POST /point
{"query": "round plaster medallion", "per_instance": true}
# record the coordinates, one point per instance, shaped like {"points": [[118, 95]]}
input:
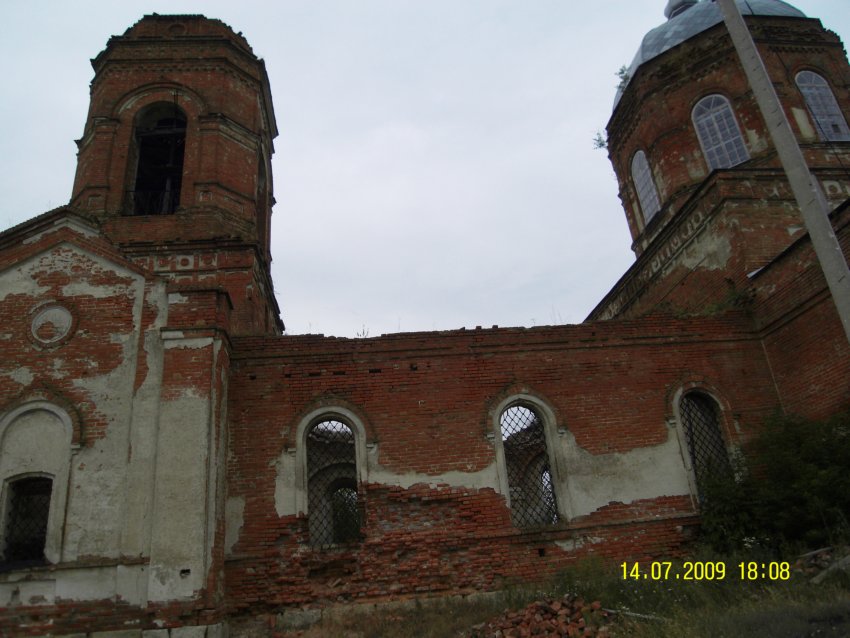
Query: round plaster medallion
{"points": [[51, 325]]}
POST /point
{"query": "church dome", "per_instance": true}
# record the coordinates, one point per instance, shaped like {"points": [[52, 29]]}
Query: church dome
{"points": [[687, 18]]}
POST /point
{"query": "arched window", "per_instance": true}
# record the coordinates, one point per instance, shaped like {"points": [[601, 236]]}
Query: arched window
{"points": [[25, 529], [530, 485], [160, 140], [718, 132], [700, 416], [830, 122], [35, 458], [333, 504], [645, 186]]}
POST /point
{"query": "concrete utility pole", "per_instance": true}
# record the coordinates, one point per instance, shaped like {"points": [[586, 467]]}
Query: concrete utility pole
{"points": [[810, 197]]}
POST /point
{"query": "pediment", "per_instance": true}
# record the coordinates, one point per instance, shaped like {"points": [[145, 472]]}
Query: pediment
{"points": [[62, 241]]}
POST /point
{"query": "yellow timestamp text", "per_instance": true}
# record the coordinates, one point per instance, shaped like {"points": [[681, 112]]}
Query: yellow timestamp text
{"points": [[706, 570]]}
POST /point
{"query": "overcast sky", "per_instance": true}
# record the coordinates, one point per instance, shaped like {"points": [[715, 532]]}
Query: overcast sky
{"points": [[435, 166]]}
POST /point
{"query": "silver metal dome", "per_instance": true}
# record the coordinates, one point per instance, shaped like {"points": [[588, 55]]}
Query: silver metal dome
{"points": [[688, 19]]}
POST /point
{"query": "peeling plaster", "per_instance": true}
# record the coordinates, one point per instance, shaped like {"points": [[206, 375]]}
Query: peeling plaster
{"points": [[708, 252], [19, 282], [234, 513], [124, 582], [578, 542], [172, 341], [592, 481], [79, 288], [801, 117], [756, 143], [23, 376], [71, 223], [643, 473], [488, 477]]}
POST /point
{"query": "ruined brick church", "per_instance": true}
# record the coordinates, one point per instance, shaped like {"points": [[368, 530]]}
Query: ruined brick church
{"points": [[172, 464]]}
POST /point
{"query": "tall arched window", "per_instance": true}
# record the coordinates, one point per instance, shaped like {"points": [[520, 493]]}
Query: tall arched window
{"points": [[35, 457], [829, 120], [160, 140], [700, 416], [333, 504], [718, 132], [532, 493], [645, 186]]}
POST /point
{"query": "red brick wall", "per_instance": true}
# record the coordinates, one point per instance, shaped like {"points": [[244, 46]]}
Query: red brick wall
{"points": [[425, 399], [805, 343]]}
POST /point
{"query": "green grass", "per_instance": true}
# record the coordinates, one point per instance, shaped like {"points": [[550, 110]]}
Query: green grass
{"points": [[693, 609], [716, 609]]}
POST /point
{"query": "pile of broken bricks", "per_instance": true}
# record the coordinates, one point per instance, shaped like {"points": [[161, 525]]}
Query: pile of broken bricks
{"points": [[570, 617]]}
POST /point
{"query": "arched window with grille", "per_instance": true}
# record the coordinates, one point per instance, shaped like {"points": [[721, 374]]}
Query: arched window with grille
{"points": [[718, 132], [645, 186], [701, 425], [823, 107], [333, 502], [531, 488], [159, 142]]}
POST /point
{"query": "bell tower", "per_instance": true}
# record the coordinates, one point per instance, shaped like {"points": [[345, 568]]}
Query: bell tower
{"points": [[175, 159]]}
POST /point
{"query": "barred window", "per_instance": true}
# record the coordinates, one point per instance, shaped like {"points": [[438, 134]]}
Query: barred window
{"points": [[333, 502], [701, 423], [829, 120], [645, 186], [28, 506], [532, 493], [718, 132]]}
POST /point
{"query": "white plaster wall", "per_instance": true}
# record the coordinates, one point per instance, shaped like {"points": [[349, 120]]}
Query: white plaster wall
{"points": [[36, 440], [129, 583], [110, 480], [185, 484], [594, 481]]}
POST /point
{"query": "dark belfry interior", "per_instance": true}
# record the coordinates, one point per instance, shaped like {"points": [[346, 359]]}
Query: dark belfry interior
{"points": [[160, 138]]}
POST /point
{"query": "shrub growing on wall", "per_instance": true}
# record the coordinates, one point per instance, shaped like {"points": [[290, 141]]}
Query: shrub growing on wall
{"points": [[794, 489]]}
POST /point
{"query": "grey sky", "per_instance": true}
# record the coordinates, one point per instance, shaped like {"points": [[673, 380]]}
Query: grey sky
{"points": [[435, 166]]}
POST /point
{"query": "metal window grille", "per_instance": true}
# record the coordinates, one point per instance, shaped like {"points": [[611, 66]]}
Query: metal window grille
{"points": [[701, 422], [529, 477], [332, 484], [26, 522], [718, 132]]}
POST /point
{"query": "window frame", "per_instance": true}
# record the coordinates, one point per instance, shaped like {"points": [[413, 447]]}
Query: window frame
{"points": [[826, 98], [717, 154], [645, 187], [307, 423], [681, 432], [6, 516], [551, 436], [35, 463]]}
